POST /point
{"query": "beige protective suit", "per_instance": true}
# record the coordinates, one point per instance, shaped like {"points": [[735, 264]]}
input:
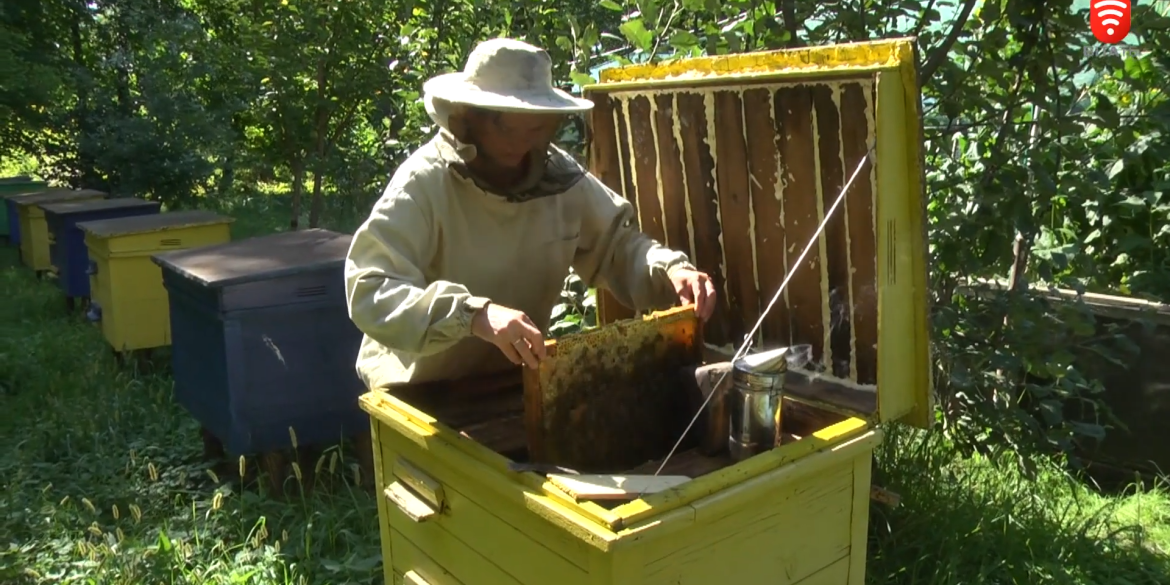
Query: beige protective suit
{"points": [[439, 243]]}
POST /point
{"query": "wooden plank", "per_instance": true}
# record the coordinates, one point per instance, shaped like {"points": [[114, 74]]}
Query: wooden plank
{"points": [[605, 162], [857, 126], [690, 463], [614, 487], [496, 513], [767, 193], [834, 574], [601, 135], [835, 244], [467, 402], [449, 562], [758, 534], [625, 156], [381, 479], [793, 107], [644, 166], [674, 208], [735, 216], [845, 434], [699, 169], [859, 521]]}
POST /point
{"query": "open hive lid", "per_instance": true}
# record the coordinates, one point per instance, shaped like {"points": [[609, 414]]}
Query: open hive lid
{"points": [[97, 205], [735, 160], [142, 224], [259, 258], [60, 196]]}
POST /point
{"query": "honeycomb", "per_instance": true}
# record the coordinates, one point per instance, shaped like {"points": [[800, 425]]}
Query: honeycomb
{"points": [[609, 399]]}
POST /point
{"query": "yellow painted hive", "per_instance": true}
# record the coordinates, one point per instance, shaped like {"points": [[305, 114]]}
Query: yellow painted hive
{"points": [[34, 231], [128, 299], [735, 160]]}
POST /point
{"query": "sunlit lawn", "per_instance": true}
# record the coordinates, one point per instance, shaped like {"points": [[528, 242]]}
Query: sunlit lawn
{"points": [[102, 481]]}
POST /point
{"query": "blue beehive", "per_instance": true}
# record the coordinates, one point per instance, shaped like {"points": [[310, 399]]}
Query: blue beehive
{"points": [[13, 219], [262, 340], [67, 248]]}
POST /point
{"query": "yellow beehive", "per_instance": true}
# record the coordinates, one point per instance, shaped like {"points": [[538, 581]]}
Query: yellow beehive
{"points": [[34, 232], [127, 295], [735, 160]]}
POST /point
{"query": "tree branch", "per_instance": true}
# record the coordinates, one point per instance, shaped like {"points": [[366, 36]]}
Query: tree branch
{"points": [[665, 30], [940, 52], [922, 20], [788, 9]]}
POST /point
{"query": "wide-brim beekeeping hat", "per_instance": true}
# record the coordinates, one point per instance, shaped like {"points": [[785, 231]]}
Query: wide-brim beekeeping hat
{"points": [[506, 75]]}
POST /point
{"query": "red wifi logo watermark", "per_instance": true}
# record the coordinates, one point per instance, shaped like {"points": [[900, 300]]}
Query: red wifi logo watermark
{"points": [[1110, 20]]}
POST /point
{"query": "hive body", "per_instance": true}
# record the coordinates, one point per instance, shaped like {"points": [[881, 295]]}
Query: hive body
{"points": [[9, 218], [67, 250], [263, 340], [734, 160], [34, 232], [796, 515], [128, 299]]}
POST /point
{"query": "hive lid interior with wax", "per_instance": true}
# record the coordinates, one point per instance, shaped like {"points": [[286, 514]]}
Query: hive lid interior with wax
{"points": [[736, 160], [58, 195], [258, 258], [124, 226], [97, 205]]}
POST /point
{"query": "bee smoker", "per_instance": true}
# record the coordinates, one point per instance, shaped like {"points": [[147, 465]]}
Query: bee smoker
{"points": [[755, 405], [745, 401], [755, 402]]}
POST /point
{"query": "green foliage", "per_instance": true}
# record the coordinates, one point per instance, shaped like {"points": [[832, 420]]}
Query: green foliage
{"points": [[1034, 132], [1053, 139], [102, 478], [980, 520], [577, 310]]}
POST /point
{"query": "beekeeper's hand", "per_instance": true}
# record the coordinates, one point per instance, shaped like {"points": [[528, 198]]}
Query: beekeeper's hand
{"points": [[694, 287], [511, 331]]}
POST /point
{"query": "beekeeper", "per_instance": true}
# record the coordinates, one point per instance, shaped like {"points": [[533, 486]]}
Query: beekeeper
{"points": [[461, 261]]}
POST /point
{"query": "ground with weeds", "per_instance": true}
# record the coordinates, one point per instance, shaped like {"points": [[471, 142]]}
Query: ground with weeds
{"points": [[102, 481]]}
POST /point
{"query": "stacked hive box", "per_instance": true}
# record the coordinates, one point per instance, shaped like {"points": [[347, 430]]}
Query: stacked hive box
{"points": [[263, 341], [67, 250], [9, 220], [126, 289], [34, 232], [734, 160]]}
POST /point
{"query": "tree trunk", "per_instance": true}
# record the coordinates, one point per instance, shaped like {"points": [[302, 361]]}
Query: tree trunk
{"points": [[298, 188], [318, 203], [87, 175]]}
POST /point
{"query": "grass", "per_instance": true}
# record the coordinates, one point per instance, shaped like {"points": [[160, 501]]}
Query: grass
{"points": [[103, 482], [973, 520]]}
